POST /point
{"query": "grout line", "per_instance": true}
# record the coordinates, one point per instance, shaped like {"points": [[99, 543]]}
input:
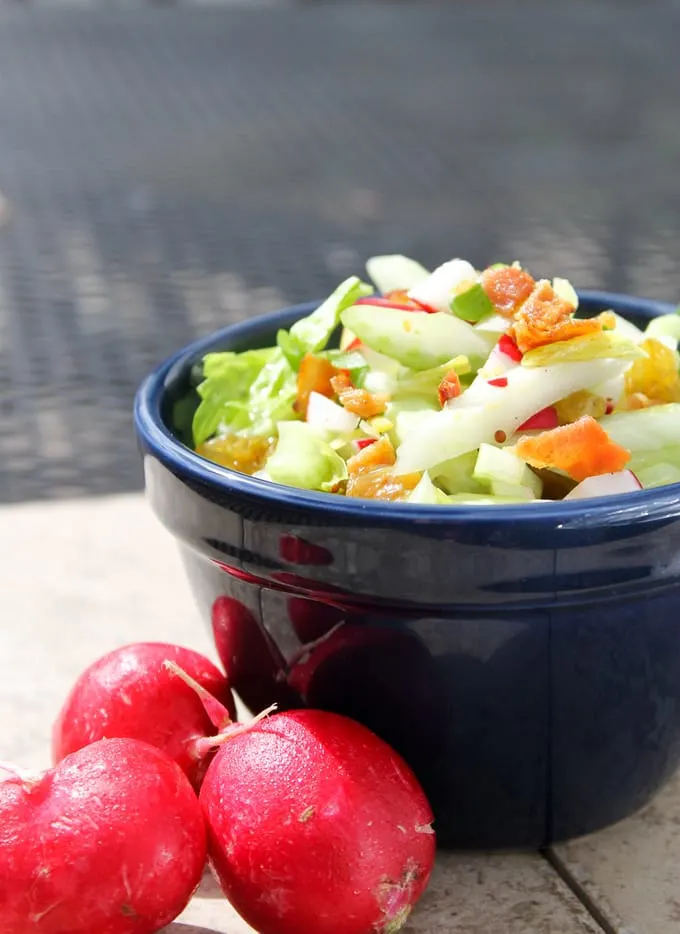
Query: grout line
{"points": [[578, 890]]}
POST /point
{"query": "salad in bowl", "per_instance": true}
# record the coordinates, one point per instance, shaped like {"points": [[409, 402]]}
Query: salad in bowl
{"points": [[457, 386]]}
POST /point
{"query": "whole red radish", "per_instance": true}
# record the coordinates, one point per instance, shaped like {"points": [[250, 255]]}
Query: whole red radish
{"points": [[316, 826], [111, 840], [129, 692]]}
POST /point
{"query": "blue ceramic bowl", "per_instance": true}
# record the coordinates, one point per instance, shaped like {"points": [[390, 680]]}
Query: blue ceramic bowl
{"points": [[524, 659]]}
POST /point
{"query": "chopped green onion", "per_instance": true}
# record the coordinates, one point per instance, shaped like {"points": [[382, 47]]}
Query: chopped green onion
{"points": [[473, 304]]}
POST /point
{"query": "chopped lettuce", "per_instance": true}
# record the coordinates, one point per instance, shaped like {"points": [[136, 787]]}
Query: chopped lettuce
{"points": [[645, 429], [244, 393], [640, 460], [659, 474], [600, 345], [311, 334], [304, 458]]}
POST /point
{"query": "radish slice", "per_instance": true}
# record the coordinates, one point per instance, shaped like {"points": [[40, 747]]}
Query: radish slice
{"points": [[606, 484], [326, 415]]}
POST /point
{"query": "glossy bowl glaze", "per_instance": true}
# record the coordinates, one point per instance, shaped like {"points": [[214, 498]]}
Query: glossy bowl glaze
{"points": [[524, 659]]}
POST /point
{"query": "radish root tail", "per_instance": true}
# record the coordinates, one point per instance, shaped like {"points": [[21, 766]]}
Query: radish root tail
{"points": [[205, 745], [218, 713]]}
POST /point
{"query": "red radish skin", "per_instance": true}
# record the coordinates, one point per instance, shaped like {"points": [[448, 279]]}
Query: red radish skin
{"points": [[316, 826], [130, 693], [112, 841]]}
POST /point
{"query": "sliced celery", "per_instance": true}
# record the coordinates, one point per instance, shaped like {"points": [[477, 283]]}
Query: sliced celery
{"points": [[664, 326], [395, 272]]}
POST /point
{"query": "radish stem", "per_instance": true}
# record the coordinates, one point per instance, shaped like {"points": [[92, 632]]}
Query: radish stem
{"points": [[218, 713]]}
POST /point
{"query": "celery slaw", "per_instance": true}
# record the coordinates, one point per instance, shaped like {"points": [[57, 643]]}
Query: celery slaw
{"points": [[442, 389]]}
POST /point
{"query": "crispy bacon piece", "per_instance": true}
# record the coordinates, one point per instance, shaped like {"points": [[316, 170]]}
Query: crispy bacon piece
{"points": [[358, 401], [507, 287], [315, 375], [380, 454], [449, 387], [545, 318], [581, 449]]}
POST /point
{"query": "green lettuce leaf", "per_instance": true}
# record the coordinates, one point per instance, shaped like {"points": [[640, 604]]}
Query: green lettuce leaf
{"points": [[602, 345], [311, 334], [303, 458], [244, 393]]}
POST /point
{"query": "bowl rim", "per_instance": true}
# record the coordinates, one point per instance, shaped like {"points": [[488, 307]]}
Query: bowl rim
{"points": [[156, 438]]}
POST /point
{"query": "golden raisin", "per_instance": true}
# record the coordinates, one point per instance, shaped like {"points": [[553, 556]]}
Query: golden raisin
{"points": [[381, 483], [654, 379], [580, 403], [243, 454]]}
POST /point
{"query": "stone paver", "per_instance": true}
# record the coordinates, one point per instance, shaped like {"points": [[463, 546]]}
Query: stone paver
{"points": [[631, 871], [81, 577]]}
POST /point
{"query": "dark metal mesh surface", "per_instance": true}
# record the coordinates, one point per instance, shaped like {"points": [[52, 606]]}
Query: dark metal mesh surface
{"points": [[170, 170]]}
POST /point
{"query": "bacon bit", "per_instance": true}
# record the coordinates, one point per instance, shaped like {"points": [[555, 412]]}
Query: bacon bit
{"points": [[500, 436], [545, 318], [449, 387], [358, 401], [498, 381], [507, 345], [315, 375], [609, 408], [545, 419], [380, 454], [364, 443], [382, 484], [507, 288], [581, 449], [246, 455]]}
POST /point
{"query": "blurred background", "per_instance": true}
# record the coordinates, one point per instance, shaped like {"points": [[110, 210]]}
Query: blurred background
{"points": [[167, 168]]}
